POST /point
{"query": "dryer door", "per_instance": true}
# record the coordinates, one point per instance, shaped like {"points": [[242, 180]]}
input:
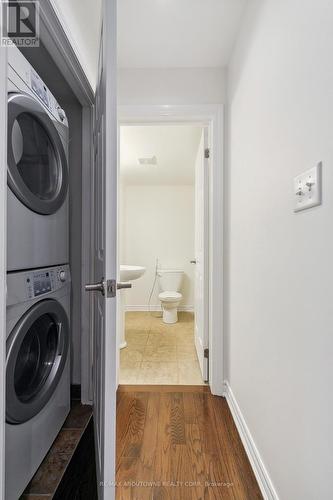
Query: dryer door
{"points": [[37, 165], [37, 350]]}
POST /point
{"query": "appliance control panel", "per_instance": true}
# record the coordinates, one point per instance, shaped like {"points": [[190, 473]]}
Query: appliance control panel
{"points": [[40, 284], [18, 66], [44, 281], [23, 286], [40, 89]]}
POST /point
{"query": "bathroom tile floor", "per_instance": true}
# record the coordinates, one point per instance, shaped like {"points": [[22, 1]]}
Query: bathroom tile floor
{"points": [[157, 353]]}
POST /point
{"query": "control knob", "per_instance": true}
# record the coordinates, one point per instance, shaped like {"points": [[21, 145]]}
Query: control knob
{"points": [[62, 276], [61, 113]]}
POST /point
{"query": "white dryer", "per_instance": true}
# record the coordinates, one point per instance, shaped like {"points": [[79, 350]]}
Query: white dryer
{"points": [[37, 207], [37, 369]]}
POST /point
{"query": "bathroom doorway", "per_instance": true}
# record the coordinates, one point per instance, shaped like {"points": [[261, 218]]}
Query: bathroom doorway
{"points": [[163, 253], [210, 118]]}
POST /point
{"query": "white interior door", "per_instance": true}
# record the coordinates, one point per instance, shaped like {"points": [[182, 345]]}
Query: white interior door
{"points": [[104, 271], [201, 255]]}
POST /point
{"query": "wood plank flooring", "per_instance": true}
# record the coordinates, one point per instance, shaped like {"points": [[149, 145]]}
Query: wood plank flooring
{"points": [[179, 443]]}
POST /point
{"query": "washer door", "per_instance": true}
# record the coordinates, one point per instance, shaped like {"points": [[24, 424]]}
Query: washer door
{"points": [[37, 350], [37, 165]]}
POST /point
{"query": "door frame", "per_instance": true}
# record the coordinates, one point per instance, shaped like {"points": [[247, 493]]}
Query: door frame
{"points": [[211, 116]]}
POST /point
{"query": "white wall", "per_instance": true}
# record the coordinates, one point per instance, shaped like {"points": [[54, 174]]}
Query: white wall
{"points": [[141, 85], [171, 86], [81, 21], [280, 322], [157, 221]]}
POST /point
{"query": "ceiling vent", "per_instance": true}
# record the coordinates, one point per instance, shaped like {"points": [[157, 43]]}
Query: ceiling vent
{"points": [[150, 161]]}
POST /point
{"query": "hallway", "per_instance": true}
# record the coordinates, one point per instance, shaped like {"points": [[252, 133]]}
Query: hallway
{"points": [[179, 443]]}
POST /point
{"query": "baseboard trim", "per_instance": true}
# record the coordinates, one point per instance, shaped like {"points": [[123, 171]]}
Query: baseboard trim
{"points": [[156, 308], [259, 469]]}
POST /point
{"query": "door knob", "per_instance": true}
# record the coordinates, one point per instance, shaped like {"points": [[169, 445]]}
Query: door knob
{"points": [[96, 287], [123, 285], [109, 285], [193, 261]]}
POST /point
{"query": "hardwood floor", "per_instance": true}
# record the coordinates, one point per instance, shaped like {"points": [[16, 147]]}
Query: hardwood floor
{"points": [[179, 443]]}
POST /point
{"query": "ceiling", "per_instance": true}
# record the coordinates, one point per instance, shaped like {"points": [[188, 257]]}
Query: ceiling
{"points": [[177, 33], [175, 147]]}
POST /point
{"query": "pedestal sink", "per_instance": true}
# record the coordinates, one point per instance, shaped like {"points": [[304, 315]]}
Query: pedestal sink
{"points": [[131, 273], [127, 274]]}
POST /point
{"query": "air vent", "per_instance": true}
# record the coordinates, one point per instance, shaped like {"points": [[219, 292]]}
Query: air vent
{"points": [[150, 161]]}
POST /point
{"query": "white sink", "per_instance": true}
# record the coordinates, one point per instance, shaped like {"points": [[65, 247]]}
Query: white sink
{"points": [[131, 273]]}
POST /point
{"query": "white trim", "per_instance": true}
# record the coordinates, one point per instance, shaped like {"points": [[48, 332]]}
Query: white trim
{"points": [[75, 47], [59, 43], [66, 29], [265, 483], [199, 349], [156, 308], [211, 115], [3, 263]]}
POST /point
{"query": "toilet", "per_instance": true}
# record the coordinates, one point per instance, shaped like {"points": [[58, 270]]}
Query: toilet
{"points": [[170, 282]]}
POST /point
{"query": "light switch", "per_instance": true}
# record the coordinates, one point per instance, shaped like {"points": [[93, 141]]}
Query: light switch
{"points": [[307, 189]]}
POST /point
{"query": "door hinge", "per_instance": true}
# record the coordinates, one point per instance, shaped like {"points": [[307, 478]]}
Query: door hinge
{"points": [[111, 288], [206, 353], [207, 153]]}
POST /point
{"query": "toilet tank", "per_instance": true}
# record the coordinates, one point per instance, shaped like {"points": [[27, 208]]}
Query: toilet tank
{"points": [[170, 280]]}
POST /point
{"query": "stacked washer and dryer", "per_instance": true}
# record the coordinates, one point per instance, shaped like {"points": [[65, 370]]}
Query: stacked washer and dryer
{"points": [[38, 276]]}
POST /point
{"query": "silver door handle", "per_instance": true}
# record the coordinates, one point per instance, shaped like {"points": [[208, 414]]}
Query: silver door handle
{"points": [[193, 261], [121, 285], [110, 287], [96, 287]]}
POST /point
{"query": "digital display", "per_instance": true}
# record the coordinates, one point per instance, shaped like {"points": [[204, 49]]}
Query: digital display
{"points": [[42, 283], [39, 88]]}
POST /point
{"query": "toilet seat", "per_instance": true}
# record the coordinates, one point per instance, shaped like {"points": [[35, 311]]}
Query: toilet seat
{"points": [[170, 296]]}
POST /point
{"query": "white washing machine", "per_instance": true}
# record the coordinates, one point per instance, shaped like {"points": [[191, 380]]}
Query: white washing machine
{"points": [[37, 207], [37, 369]]}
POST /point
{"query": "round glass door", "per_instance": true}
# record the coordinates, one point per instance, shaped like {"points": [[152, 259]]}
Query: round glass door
{"points": [[37, 350], [37, 166]]}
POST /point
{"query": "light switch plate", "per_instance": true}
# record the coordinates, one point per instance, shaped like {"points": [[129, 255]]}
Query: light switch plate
{"points": [[307, 189]]}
